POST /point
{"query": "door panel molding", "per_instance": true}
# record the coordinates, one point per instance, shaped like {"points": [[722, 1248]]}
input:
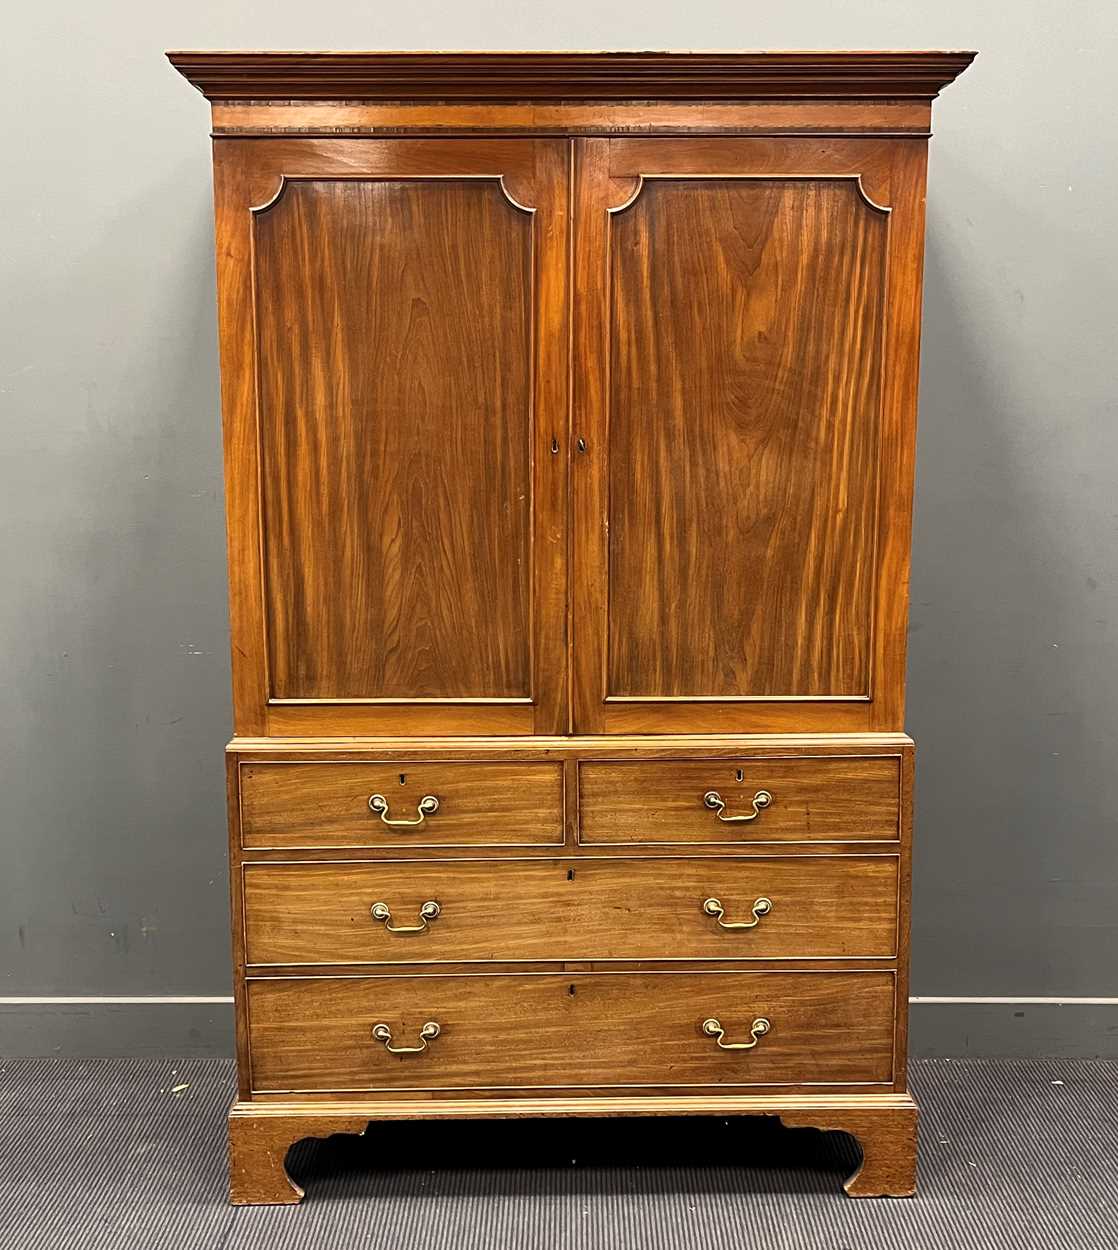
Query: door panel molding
{"points": [[856, 179]]}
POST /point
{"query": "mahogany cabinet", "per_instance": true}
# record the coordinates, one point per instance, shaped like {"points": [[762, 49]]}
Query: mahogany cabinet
{"points": [[569, 413]]}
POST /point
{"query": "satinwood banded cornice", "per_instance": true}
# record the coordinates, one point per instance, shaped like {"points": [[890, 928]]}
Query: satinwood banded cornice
{"points": [[569, 76]]}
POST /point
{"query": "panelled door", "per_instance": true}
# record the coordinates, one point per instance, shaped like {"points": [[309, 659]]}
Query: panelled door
{"points": [[394, 337], [745, 352]]}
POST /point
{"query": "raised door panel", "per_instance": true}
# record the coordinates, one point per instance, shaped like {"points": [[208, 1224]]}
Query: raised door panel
{"points": [[745, 349], [737, 506], [408, 352], [396, 439]]}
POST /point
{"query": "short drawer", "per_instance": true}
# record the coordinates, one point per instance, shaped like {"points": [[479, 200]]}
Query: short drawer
{"points": [[574, 1031], [401, 804], [714, 907], [806, 799]]}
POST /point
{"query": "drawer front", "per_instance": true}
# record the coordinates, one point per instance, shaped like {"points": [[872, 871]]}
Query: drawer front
{"points": [[334, 804], [781, 800], [574, 1031], [581, 909]]}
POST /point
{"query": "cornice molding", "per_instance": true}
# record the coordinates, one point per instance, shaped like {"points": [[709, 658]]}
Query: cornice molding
{"points": [[575, 76]]}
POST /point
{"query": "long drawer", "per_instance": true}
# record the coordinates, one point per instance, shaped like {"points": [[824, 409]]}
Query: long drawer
{"points": [[750, 799], [572, 1031], [401, 804], [715, 907]]}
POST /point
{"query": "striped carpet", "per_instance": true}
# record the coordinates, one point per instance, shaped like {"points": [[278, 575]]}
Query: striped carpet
{"points": [[106, 1154]]}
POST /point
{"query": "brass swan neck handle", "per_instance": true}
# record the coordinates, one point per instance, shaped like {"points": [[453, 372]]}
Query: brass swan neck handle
{"points": [[761, 907], [429, 1032], [427, 806], [428, 911], [757, 1030], [717, 803]]}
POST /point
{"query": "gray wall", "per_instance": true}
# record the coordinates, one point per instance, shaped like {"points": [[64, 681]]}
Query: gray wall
{"points": [[113, 613]]}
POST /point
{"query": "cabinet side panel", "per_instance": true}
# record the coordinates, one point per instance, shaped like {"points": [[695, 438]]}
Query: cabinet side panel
{"points": [[237, 928], [904, 918]]}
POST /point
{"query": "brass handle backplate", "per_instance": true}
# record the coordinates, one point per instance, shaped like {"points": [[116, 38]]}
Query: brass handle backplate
{"points": [[717, 803], [757, 1030], [427, 806], [429, 911], [429, 1032], [761, 907]]}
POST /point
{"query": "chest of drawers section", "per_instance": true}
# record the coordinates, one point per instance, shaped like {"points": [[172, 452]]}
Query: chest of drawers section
{"points": [[570, 921]]}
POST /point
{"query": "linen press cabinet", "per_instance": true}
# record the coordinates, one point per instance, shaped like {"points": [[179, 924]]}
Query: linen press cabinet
{"points": [[569, 411]]}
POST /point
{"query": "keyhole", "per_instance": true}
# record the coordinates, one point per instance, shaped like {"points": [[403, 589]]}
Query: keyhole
{"points": [[403, 779], [571, 990], [740, 775], [570, 874], [581, 445], [554, 445]]}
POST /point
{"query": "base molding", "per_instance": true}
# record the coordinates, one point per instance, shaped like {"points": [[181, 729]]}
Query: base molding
{"points": [[261, 1134]]}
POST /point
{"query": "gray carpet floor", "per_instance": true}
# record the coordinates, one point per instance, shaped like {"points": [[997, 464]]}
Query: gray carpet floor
{"points": [[107, 1154]]}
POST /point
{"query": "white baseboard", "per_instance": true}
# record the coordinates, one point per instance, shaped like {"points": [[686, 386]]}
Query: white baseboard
{"points": [[48, 1000], [1033, 1002], [53, 1000]]}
